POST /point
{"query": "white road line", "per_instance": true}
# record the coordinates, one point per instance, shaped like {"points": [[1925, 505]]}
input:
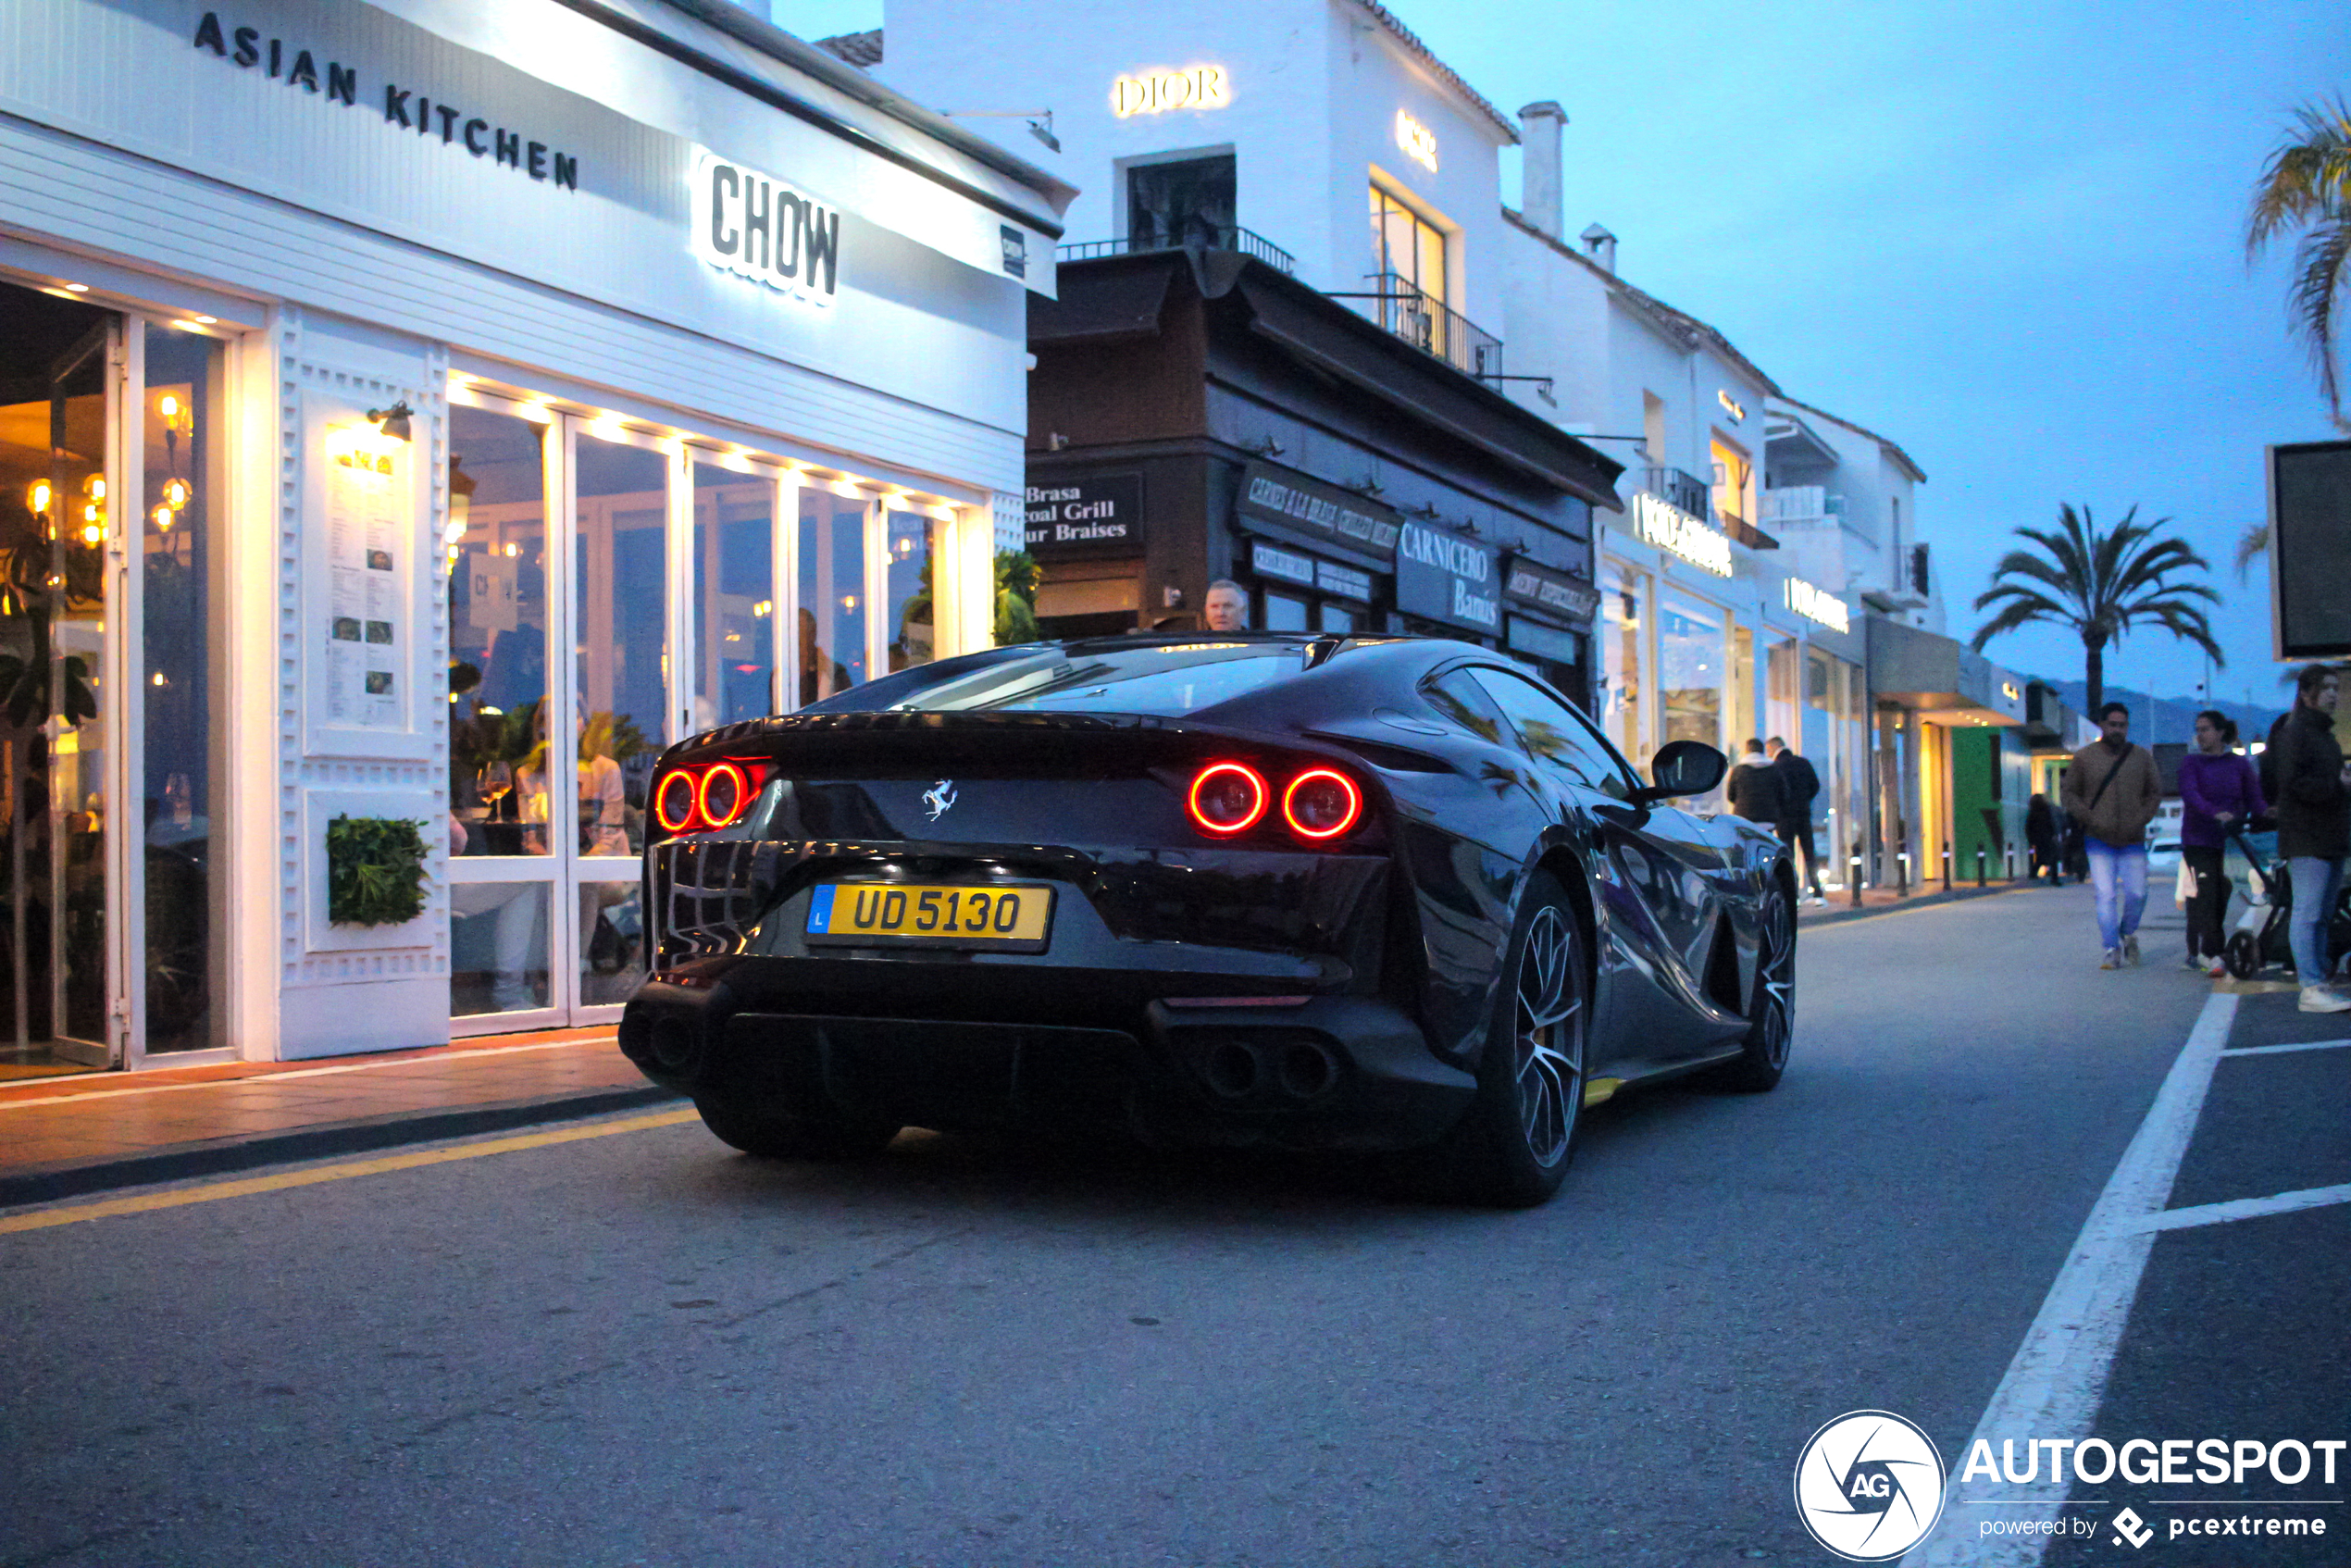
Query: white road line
{"points": [[2274, 1050], [2247, 1208], [2058, 1374]]}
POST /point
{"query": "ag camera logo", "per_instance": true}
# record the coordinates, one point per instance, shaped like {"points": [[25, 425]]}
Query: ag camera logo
{"points": [[1869, 1485]]}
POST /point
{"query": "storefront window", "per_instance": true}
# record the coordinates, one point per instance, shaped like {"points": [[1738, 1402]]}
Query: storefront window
{"points": [[618, 560], [734, 595], [184, 899], [497, 620], [1283, 612], [831, 613], [1691, 673], [1623, 628], [911, 541]]}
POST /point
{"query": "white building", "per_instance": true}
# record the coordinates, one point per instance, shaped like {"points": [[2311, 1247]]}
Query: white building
{"points": [[409, 396]]}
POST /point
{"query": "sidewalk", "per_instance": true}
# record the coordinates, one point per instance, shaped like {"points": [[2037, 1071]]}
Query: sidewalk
{"points": [[1884, 900], [63, 1136]]}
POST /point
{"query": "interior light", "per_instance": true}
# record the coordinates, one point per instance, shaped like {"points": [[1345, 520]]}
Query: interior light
{"points": [[37, 499], [849, 601], [208, 320], [184, 326], [77, 288], [157, 679], [167, 405], [94, 487], [176, 493], [764, 607], [163, 519]]}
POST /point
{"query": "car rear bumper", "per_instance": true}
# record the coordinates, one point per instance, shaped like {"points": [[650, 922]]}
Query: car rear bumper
{"points": [[1334, 1072]]}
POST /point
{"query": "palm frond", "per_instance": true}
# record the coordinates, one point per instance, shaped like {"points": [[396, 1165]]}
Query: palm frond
{"points": [[2022, 612], [2322, 265], [2251, 545], [2309, 171]]}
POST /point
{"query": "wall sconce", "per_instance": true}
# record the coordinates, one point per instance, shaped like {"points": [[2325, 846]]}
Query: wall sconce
{"points": [[393, 421], [36, 500]]}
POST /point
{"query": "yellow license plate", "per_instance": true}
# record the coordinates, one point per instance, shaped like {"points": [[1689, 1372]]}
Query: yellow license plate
{"points": [[929, 913]]}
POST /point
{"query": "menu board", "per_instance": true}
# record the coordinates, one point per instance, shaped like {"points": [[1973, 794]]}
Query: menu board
{"points": [[365, 615]]}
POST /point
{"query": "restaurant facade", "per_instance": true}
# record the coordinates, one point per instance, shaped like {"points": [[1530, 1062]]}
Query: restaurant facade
{"points": [[415, 417]]}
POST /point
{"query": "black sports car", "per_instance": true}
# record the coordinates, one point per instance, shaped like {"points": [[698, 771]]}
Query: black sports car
{"points": [[1361, 892]]}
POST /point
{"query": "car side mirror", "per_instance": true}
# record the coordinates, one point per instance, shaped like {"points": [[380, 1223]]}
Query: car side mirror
{"points": [[1685, 767]]}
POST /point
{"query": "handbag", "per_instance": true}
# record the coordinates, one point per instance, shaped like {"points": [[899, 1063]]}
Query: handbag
{"points": [[2186, 893]]}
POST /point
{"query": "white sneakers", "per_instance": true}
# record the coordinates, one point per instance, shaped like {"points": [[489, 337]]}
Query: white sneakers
{"points": [[2317, 999], [2112, 959]]}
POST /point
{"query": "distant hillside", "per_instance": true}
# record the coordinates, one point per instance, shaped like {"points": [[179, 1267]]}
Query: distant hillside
{"points": [[2174, 718]]}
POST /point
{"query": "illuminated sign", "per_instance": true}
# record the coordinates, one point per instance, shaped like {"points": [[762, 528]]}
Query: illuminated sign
{"points": [[1670, 528], [2011, 690], [1818, 605], [1417, 139], [758, 226], [1730, 407], [1155, 93]]}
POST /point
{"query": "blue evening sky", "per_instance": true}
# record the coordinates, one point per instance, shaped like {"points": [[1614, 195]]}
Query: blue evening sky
{"points": [[2008, 235]]}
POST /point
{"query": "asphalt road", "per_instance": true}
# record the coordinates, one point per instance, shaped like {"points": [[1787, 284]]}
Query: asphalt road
{"points": [[643, 1347]]}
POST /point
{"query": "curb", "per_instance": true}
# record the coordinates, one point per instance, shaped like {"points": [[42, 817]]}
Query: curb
{"points": [[366, 1135], [1833, 914]]}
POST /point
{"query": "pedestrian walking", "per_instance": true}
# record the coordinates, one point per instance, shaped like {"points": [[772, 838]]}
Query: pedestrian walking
{"points": [[1799, 787], [2219, 793], [2112, 792], [1754, 789], [2314, 828], [2041, 839]]}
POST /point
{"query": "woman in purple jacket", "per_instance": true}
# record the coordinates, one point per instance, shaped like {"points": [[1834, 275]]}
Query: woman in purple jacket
{"points": [[2220, 794]]}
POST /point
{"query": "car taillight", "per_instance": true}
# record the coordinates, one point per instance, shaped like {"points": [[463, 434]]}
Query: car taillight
{"points": [[721, 794], [1228, 797], [697, 800], [1322, 804], [674, 803]]}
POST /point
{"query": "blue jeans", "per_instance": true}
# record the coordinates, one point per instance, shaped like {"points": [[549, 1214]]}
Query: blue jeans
{"points": [[2116, 868], [2316, 884]]}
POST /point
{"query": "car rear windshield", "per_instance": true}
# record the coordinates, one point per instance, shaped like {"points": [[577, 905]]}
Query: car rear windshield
{"points": [[1166, 680]]}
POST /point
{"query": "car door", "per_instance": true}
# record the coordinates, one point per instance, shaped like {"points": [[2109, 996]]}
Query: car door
{"points": [[1656, 876]]}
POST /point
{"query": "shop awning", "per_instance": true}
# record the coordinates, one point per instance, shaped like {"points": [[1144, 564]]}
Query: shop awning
{"points": [[1102, 304], [1941, 681]]}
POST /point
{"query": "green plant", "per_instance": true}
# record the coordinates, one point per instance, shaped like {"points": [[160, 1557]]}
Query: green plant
{"points": [[2098, 585], [375, 870], [1016, 577], [2307, 184]]}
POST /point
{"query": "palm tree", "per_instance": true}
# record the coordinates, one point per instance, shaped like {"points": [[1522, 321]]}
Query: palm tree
{"points": [[2099, 585], [2306, 184]]}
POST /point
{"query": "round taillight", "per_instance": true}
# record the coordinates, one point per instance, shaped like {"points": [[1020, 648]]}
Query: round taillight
{"points": [[674, 803], [1321, 804], [724, 793], [1228, 797]]}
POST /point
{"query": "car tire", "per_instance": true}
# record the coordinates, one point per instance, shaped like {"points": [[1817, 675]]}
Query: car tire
{"points": [[2242, 954], [1511, 1147], [1763, 1052], [772, 1133]]}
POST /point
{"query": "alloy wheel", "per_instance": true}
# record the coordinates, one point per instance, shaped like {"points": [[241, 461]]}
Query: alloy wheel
{"points": [[1775, 976], [1549, 1037]]}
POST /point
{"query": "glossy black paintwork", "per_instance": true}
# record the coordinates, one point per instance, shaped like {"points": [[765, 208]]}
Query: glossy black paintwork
{"points": [[1411, 911]]}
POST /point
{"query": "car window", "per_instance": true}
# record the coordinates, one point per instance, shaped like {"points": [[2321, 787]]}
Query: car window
{"points": [[1552, 731], [1459, 698], [1166, 680]]}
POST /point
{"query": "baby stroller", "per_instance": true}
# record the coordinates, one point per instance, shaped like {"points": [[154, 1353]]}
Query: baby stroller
{"points": [[2260, 940]]}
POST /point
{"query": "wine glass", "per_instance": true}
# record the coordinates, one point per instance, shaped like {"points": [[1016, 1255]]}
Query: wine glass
{"points": [[495, 781]]}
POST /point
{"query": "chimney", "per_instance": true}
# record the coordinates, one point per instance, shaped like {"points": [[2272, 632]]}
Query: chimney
{"points": [[1600, 246], [1539, 185]]}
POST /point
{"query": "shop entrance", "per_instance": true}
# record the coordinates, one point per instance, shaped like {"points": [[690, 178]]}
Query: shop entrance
{"points": [[110, 929]]}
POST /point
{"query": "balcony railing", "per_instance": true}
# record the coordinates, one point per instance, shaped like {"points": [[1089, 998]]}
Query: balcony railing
{"points": [[1678, 489], [1431, 325], [1206, 237], [1798, 503]]}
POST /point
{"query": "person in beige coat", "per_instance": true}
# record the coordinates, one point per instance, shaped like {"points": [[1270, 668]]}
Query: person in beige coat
{"points": [[2112, 790]]}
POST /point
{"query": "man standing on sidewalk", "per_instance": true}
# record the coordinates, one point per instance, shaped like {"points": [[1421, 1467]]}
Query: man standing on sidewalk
{"points": [[2314, 827], [2112, 790], [1754, 789], [1799, 787]]}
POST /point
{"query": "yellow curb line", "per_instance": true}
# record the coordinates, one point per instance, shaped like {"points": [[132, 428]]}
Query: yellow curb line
{"points": [[43, 1218]]}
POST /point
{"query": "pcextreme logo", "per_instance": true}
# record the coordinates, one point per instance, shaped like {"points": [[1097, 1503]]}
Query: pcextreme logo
{"points": [[1869, 1485]]}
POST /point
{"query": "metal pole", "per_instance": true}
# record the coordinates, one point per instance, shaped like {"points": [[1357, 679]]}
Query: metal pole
{"points": [[1902, 874], [1946, 865], [1853, 873], [1979, 865]]}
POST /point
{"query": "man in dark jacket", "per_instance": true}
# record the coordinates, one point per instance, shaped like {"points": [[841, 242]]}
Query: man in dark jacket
{"points": [[1755, 789], [2314, 827], [1799, 787]]}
